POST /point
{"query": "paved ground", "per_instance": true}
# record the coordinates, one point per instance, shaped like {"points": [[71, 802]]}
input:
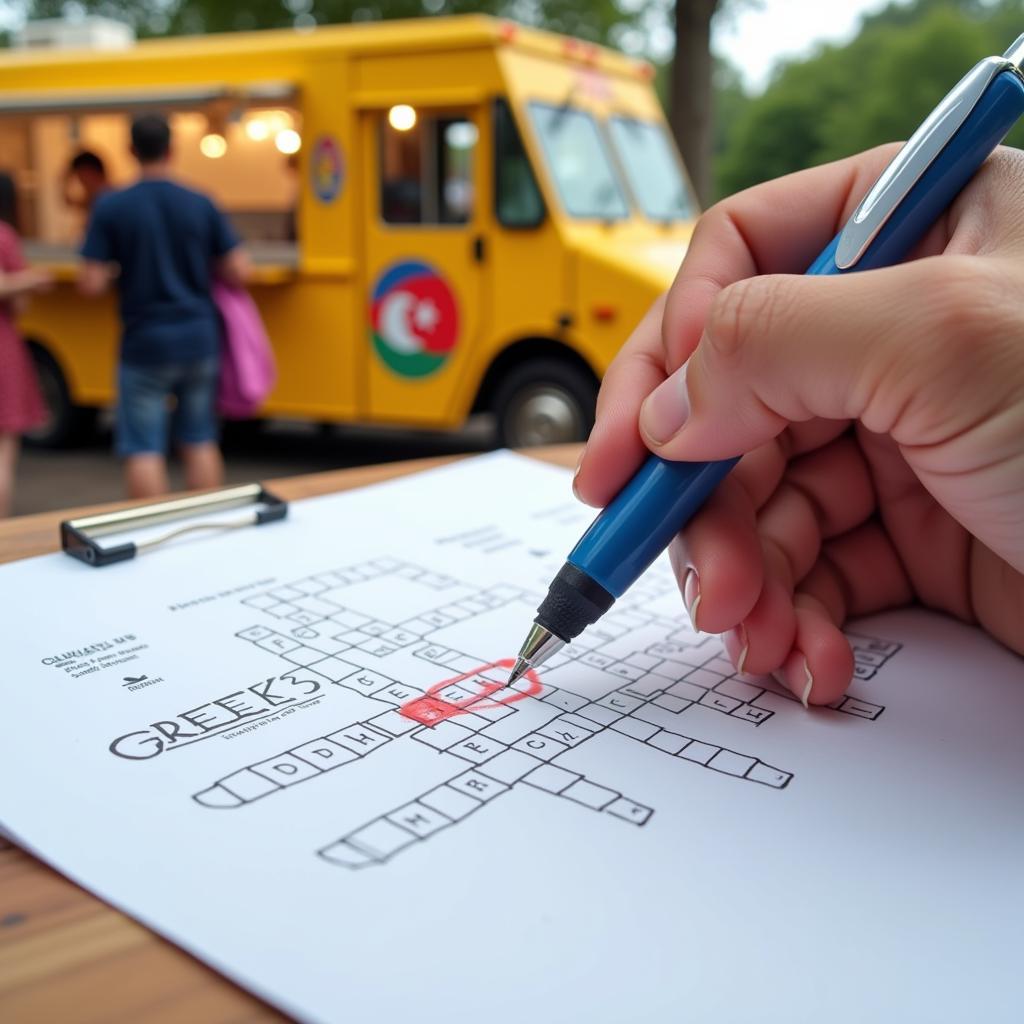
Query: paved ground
{"points": [[85, 476]]}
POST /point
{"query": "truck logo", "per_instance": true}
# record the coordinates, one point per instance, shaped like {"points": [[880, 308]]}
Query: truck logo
{"points": [[414, 319], [326, 168]]}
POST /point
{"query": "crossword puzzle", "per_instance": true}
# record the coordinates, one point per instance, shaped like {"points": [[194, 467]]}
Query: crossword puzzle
{"points": [[656, 671]]}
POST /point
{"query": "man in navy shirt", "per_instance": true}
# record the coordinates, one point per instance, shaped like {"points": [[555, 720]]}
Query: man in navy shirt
{"points": [[165, 244]]}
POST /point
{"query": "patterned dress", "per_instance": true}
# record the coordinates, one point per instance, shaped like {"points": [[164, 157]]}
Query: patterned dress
{"points": [[21, 404]]}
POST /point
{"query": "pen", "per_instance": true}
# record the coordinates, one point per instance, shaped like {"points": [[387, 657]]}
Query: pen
{"points": [[908, 197]]}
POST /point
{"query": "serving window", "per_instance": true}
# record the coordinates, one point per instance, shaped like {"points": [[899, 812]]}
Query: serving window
{"points": [[245, 156]]}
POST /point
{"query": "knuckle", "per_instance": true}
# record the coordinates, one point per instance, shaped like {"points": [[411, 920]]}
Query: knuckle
{"points": [[968, 305], [739, 313], [950, 366], [1005, 168]]}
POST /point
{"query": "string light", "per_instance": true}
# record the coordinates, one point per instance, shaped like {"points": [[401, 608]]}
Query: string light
{"points": [[213, 145], [288, 141], [257, 129], [402, 117]]}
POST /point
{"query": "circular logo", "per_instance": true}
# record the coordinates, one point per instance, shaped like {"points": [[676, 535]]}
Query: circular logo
{"points": [[414, 320], [326, 168]]}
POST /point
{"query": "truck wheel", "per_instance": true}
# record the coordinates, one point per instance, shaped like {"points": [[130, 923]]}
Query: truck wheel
{"points": [[545, 401], [66, 424]]}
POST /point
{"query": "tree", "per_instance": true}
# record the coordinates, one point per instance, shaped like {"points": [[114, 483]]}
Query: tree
{"points": [[690, 97], [875, 89]]}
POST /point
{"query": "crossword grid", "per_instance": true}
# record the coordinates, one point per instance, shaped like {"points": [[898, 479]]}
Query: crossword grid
{"points": [[505, 743]]}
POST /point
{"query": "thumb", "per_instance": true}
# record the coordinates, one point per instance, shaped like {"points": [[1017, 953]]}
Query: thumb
{"points": [[894, 348]]}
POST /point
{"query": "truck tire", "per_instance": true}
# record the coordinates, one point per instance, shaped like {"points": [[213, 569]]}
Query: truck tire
{"points": [[545, 401], [67, 425]]}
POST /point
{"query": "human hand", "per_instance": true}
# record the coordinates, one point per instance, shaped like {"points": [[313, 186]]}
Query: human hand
{"points": [[38, 279], [880, 415], [17, 286]]}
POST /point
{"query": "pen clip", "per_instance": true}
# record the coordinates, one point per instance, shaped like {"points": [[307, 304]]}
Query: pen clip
{"points": [[919, 153]]}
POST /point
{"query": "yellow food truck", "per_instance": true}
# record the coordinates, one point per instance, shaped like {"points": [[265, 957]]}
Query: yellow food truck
{"points": [[446, 216]]}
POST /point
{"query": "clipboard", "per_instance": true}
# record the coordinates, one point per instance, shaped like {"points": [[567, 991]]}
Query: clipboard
{"points": [[80, 538]]}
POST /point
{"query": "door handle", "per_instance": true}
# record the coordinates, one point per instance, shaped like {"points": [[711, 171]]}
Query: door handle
{"points": [[479, 249]]}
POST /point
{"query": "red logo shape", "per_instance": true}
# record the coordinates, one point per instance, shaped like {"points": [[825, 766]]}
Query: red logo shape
{"points": [[414, 318], [431, 708]]}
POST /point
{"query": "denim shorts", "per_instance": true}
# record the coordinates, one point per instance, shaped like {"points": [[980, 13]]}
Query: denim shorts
{"points": [[166, 402]]}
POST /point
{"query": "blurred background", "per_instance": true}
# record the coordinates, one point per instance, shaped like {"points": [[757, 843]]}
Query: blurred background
{"points": [[749, 89]]}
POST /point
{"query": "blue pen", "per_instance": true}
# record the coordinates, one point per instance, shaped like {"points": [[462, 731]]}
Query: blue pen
{"points": [[908, 197]]}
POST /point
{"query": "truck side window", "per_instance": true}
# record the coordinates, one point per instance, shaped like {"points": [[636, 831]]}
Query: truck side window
{"points": [[427, 170], [517, 199]]}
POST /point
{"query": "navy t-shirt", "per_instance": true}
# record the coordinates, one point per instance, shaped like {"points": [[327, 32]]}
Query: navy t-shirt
{"points": [[166, 240]]}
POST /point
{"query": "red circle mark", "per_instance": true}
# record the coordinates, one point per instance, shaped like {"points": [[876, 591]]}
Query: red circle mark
{"points": [[433, 708]]}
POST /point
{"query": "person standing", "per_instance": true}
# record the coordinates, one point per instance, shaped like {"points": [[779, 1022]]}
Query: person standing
{"points": [[165, 243], [21, 405], [85, 180]]}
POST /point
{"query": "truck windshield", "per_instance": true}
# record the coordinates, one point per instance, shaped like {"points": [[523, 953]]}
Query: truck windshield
{"points": [[653, 169], [575, 152]]}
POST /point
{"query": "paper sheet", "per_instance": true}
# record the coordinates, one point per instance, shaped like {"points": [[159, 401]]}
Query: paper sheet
{"points": [[289, 750]]}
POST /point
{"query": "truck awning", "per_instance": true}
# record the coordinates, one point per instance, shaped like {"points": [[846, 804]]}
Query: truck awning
{"points": [[60, 101]]}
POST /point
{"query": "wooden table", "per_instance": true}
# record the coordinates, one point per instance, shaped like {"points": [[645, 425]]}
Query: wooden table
{"points": [[67, 958]]}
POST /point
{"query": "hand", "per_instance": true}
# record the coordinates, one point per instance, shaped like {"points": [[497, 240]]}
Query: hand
{"points": [[38, 279], [880, 416], [17, 286]]}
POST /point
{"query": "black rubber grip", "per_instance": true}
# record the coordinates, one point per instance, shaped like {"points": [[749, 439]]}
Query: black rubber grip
{"points": [[574, 601]]}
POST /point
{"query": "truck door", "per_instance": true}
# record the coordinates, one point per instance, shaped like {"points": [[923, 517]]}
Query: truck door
{"points": [[423, 253]]}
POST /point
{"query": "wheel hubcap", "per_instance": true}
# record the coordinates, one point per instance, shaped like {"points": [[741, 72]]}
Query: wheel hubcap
{"points": [[546, 415]]}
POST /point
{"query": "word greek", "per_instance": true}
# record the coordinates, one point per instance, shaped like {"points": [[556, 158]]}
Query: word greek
{"points": [[209, 719]]}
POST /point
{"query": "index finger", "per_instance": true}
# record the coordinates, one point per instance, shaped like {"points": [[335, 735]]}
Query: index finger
{"points": [[776, 227]]}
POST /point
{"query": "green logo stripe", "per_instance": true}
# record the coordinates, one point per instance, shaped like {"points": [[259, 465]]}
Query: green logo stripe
{"points": [[416, 364]]}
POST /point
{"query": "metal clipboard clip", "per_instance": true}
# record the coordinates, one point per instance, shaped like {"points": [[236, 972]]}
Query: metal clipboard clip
{"points": [[921, 150], [79, 537]]}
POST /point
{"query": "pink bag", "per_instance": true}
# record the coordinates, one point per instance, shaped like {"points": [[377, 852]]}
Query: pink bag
{"points": [[247, 371]]}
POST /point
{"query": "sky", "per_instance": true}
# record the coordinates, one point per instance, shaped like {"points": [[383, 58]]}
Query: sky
{"points": [[759, 34]]}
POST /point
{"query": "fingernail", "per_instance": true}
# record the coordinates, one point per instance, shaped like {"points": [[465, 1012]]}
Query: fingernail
{"points": [[809, 682], [737, 645], [691, 597], [666, 408], [576, 473], [806, 684]]}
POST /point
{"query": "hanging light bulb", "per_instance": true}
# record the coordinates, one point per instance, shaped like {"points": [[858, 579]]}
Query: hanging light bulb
{"points": [[257, 129], [213, 145], [402, 117], [278, 120], [288, 141]]}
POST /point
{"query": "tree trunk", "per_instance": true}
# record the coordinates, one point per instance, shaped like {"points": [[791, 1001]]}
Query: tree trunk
{"points": [[690, 98]]}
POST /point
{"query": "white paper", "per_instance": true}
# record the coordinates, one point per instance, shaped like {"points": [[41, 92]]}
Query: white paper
{"points": [[716, 853]]}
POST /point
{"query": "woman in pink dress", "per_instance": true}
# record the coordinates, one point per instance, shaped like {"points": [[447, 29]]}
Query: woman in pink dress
{"points": [[21, 405]]}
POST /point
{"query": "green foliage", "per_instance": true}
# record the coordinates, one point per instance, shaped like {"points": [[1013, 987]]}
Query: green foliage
{"points": [[876, 89]]}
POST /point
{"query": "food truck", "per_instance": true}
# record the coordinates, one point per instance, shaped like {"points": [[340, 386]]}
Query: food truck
{"points": [[445, 216]]}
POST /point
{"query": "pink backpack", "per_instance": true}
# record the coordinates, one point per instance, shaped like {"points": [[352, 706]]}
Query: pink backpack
{"points": [[247, 371]]}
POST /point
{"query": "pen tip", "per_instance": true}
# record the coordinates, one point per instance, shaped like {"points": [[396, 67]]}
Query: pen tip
{"points": [[518, 671]]}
